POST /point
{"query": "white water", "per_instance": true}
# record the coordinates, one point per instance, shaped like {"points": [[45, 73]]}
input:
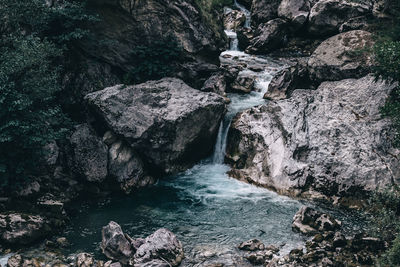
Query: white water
{"points": [[4, 259], [246, 12]]}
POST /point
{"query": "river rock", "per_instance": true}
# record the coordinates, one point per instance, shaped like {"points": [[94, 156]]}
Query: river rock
{"points": [[309, 221], [281, 84], [15, 261], [233, 19], [329, 141], [243, 84], [268, 36], [215, 84], [22, 229], [89, 158], [264, 10], [125, 166], [162, 245], [244, 36], [326, 16], [296, 11], [114, 244], [252, 245], [339, 57], [171, 124]]}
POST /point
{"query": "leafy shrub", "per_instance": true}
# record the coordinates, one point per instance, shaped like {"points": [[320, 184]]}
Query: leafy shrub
{"points": [[153, 61]]}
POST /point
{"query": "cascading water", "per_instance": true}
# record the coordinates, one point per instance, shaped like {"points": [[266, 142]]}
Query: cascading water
{"points": [[246, 12], [204, 207]]}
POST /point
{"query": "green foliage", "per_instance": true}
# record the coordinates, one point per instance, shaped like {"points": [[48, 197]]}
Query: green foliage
{"points": [[153, 61], [33, 41]]}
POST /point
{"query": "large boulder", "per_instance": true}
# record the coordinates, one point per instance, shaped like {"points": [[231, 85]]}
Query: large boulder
{"points": [[161, 245], [264, 10], [341, 57], [326, 142], [89, 158], [309, 221], [170, 124], [115, 245], [268, 36], [233, 19], [326, 16], [296, 11], [22, 229]]}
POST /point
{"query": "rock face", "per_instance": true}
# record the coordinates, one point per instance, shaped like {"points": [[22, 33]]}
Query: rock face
{"points": [[164, 245], [264, 10], [329, 141], [114, 243], [327, 16], [268, 37], [168, 123], [233, 19], [295, 11], [89, 154], [22, 229], [339, 57], [309, 221]]}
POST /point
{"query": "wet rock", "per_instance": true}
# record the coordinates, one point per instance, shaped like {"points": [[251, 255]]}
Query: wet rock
{"points": [[339, 240], [259, 257], [268, 36], [361, 242], [306, 145], [89, 158], [162, 245], [15, 261], [327, 16], [215, 84], [357, 23], [85, 260], [252, 245], [242, 84], [22, 229], [264, 10], [339, 57], [296, 11], [125, 166], [233, 19], [309, 221], [244, 36], [29, 190], [114, 243], [280, 85], [165, 120]]}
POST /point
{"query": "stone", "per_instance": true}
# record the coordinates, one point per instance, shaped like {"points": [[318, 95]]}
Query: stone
{"points": [[339, 57], [264, 10], [327, 142], [84, 260], [161, 245], [115, 245], [309, 221], [89, 158], [252, 245], [215, 84], [126, 167], [242, 84], [259, 257], [233, 19], [165, 121], [326, 16], [280, 85], [268, 37], [339, 240], [29, 190], [22, 229], [15, 261], [296, 11]]}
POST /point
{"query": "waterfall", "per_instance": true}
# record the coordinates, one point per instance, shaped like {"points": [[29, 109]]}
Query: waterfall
{"points": [[246, 12], [220, 145]]}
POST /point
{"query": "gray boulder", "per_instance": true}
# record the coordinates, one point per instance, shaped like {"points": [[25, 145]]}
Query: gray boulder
{"points": [[326, 16], [161, 246], [264, 10], [309, 221], [89, 158], [22, 229], [171, 124], [326, 142], [215, 84], [233, 19], [115, 245], [296, 11], [340, 57], [268, 36]]}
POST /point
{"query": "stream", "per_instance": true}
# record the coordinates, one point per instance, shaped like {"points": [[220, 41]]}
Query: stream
{"points": [[204, 207]]}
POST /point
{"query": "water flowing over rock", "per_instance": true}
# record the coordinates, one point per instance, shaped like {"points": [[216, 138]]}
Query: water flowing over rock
{"points": [[340, 57], [22, 229], [310, 221], [327, 16], [329, 141], [89, 158], [162, 245], [115, 245], [167, 122]]}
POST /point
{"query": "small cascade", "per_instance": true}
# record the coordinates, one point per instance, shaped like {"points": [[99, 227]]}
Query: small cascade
{"points": [[246, 12]]}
